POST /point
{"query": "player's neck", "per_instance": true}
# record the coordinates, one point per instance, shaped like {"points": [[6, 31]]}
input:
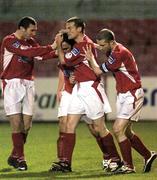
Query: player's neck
{"points": [[114, 45], [19, 35], [79, 38]]}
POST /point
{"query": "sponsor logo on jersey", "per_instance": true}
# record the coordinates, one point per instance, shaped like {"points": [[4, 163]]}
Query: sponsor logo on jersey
{"points": [[111, 60], [75, 51], [68, 55], [24, 47], [16, 44]]}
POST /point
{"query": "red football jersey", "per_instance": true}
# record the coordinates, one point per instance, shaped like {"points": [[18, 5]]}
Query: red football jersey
{"points": [[17, 57], [122, 64], [82, 70]]}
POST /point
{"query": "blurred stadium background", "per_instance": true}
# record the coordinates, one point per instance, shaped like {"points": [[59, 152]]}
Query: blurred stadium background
{"points": [[133, 21]]}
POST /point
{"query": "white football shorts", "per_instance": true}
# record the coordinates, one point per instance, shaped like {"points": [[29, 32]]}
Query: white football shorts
{"points": [[129, 104], [86, 101], [19, 96], [64, 104]]}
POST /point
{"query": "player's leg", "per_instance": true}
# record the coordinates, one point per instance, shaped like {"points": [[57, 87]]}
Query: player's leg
{"points": [[62, 116], [17, 139], [68, 144], [98, 140], [119, 129], [139, 146], [125, 109], [27, 124], [112, 159], [62, 130]]}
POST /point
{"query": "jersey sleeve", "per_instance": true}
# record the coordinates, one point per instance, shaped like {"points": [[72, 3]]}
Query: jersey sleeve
{"points": [[15, 47], [113, 63], [47, 56]]}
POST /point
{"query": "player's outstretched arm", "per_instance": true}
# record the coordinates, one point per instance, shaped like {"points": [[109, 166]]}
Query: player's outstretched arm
{"points": [[29, 52]]}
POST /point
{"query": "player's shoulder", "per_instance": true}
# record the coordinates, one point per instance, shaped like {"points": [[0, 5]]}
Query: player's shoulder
{"points": [[87, 39], [9, 37]]}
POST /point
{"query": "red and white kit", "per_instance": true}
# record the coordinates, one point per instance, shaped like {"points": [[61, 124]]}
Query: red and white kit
{"points": [[128, 83], [88, 93], [17, 72]]}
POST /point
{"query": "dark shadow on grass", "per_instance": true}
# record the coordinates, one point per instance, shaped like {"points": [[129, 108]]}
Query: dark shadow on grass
{"points": [[6, 170], [88, 174], [21, 174]]}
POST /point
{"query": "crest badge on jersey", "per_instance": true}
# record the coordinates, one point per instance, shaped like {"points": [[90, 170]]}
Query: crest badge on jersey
{"points": [[68, 55], [111, 60], [16, 44], [75, 51]]}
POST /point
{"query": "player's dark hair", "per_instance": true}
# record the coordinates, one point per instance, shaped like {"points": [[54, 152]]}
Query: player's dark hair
{"points": [[26, 21], [78, 22], [106, 34], [69, 41]]}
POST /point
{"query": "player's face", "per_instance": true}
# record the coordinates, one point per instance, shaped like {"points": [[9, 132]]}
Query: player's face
{"points": [[72, 30], [66, 47], [30, 31], [104, 46]]}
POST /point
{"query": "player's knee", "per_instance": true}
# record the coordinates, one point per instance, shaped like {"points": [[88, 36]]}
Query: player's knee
{"points": [[27, 128], [62, 124], [117, 130]]}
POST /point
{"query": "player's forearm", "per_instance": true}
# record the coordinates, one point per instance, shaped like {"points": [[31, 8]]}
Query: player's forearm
{"points": [[60, 81], [95, 67], [61, 55]]}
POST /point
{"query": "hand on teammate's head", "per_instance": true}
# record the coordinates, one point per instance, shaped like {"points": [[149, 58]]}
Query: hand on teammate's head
{"points": [[58, 39], [62, 31]]}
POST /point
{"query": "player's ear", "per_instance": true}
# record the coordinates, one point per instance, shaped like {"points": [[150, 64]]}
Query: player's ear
{"points": [[111, 42], [79, 29], [22, 28]]}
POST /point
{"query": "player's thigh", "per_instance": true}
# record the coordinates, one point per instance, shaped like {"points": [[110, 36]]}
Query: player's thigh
{"points": [[14, 93], [27, 121], [129, 106], [15, 122], [64, 104], [62, 123], [120, 125], [93, 104]]}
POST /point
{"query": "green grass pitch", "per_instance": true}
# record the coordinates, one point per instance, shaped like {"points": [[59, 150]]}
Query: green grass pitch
{"points": [[40, 152]]}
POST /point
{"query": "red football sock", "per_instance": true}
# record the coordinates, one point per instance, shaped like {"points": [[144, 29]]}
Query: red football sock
{"points": [[138, 145], [60, 144], [110, 148], [103, 149], [68, 144], [24, 137], [13, 153], [18, 144], [125, 148]]}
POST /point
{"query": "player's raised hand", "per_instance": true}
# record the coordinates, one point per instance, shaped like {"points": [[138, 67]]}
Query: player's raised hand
{"points": [[58, 39], [54, 45], [88, 53]]}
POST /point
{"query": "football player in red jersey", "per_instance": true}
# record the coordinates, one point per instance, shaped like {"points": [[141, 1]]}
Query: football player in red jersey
{"points": [[87, 96], [18, 51], [130, 97], [65, 86]]}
